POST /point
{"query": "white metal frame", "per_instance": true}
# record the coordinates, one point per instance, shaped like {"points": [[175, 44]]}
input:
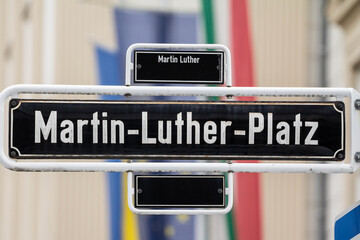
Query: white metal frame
{"points": [[229, 167], [228, 91], [331, 167]]}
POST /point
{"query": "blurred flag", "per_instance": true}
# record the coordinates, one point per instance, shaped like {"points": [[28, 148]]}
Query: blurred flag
{"points": [[247, 198], [227, 22], [220, 227], [133, 26], [108, 74]]}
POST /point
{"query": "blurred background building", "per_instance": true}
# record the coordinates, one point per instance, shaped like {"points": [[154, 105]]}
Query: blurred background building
{"points": [[280, 43]]}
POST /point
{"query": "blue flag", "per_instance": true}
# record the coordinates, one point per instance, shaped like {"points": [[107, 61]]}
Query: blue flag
{"points": [[133, 26]]}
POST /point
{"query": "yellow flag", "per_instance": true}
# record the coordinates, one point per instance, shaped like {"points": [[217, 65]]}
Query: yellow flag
{"points": [[129, 219]]}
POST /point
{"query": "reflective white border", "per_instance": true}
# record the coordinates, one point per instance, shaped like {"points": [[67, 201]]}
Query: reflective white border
{"points": [[333, 167]]}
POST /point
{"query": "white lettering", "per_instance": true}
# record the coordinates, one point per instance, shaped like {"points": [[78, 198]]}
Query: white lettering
{"points": [[167, 139], [189, 59], [179, 123], [144, 130], [95, 123], [189, 124], [270, 128], [283, 136], [67, 134], [253, 116], [120, 125], [308, 139], [170, 59], [80, 124], [45, 129], [209, 129], [161, 58], [223, 126], [104, 129], [297, 125]]}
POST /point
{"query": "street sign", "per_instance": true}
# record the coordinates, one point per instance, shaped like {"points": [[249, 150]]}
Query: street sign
{"points": [[347, 224], [177, 130], [199, 67], [187, 191]]}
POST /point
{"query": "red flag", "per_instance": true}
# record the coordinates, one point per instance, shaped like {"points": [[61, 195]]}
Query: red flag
{"points": [[248, 222]]}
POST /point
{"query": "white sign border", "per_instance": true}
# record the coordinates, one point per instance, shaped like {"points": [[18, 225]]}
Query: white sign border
{"points": [[337, 167]]}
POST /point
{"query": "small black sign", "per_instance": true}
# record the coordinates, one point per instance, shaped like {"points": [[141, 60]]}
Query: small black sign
{"points": [[179, 67], [177, 130], [191, 191]]}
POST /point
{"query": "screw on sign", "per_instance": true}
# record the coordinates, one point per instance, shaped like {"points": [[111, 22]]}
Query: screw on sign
{"points": [[357, 157], [357, 104]]}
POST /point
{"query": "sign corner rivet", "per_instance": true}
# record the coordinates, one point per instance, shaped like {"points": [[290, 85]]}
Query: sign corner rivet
{"points": [[340, 105], [357, 104], [357, 157], [13, 153], [14, 102], [340, 156]]}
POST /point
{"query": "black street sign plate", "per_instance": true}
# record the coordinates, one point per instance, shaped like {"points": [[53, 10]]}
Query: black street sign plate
{"points": [[179, 67], [190, 191], [177, 130]]}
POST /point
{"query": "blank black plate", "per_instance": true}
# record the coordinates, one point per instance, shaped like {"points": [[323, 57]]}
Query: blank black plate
{"points": [[190, 191]]}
